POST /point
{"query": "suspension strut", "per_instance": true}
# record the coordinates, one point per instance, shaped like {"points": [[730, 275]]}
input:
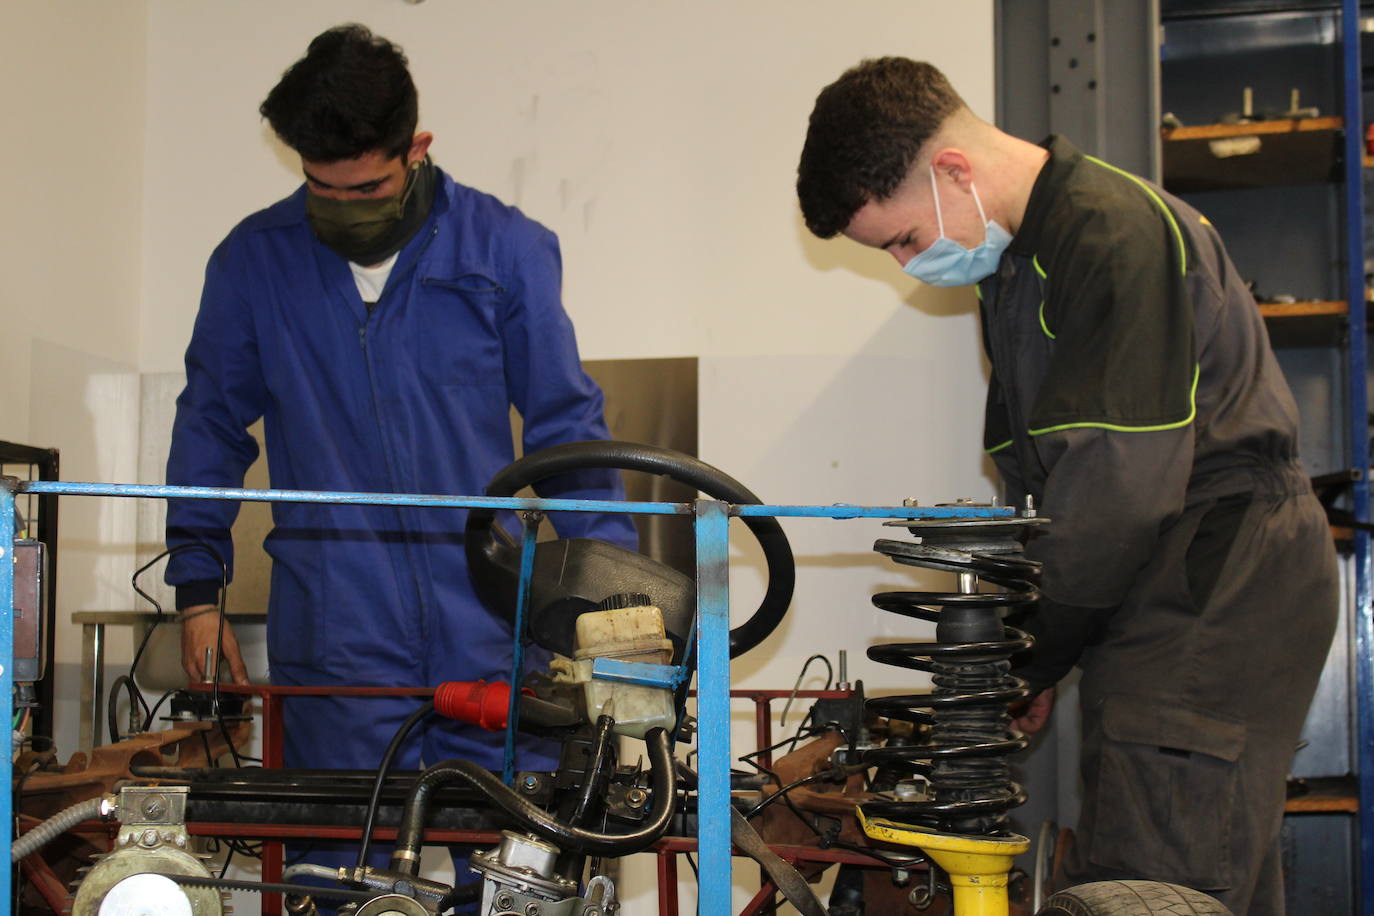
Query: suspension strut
{"points": [[964, 756]]}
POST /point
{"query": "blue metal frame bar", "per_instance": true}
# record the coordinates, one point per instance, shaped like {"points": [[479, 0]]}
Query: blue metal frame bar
{"points": [[531, 522], [513, 503], [69, 488], [1357, 411], [641, 674], [713, 707], [843, 512], [6, 661]]}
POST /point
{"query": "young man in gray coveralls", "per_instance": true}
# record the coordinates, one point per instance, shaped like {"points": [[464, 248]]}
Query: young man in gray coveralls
{"points": [[1189, 570]]}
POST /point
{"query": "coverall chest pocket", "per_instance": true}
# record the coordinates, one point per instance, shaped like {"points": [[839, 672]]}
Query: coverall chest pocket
{"points": [[1167, 792], [460, 334]]}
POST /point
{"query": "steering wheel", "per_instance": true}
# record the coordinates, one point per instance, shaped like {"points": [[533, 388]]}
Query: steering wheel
{"points": [[574, 575]]}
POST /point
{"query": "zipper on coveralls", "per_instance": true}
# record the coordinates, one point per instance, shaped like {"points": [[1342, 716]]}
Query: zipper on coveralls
{"points": [[391, 473]]}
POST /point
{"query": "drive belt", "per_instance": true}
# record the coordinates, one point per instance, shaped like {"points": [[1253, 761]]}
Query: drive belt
{"points": [[268, 887]]}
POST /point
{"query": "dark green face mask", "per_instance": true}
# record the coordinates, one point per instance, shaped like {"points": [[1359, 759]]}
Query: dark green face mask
{"points": [[367, 231]]}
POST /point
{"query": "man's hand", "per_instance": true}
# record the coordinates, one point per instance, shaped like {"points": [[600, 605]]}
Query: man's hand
{"points": [[1030, 716], [199, 632]]}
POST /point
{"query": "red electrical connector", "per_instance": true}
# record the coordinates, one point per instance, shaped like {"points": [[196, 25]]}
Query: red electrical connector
{"points": [[476, 702]]}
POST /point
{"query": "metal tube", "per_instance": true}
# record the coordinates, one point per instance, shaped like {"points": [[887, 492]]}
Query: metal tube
{"points": [[1357, 414], [98, 686], [7, 492], [713, 705], [512, 503], [531, 522]]}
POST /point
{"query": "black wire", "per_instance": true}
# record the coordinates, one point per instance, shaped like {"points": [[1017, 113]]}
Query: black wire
{"points": [[168, 554], [382, 769], [135, 699], [828, 840], [215, 704], [693, 863], [228, 857], [832, 773], [228, 741], [148, 723], [748, 758]]}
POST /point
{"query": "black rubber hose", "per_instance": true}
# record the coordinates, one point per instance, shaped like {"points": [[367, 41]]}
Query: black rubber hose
{"points": [[597, 772], [652, 459], [135, 699], [382, 769], [531, 816]]}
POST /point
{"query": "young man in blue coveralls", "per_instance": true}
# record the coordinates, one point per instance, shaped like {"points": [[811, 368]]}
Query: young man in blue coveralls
{"points": [[1189, 570], [382, 320]]}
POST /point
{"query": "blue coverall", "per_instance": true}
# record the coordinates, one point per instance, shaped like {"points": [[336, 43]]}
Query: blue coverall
{"points": [[412, 396]]}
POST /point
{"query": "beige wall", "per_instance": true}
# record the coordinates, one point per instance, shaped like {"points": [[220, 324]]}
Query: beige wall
{"points": [[72, 93], [659, 140]]}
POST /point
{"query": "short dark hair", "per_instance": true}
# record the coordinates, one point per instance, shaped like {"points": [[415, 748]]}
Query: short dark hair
{"points": [[865, 132], [351, 94]]}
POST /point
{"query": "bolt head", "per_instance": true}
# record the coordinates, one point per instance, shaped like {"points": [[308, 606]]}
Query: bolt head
{"points": [[149, 838], [154, 806]]}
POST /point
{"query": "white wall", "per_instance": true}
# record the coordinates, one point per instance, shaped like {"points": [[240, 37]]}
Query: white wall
{"points": [[72, 93], [660, 141]]}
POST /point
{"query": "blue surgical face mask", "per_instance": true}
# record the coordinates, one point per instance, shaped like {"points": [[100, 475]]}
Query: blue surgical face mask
{"points": [[947, 263]]}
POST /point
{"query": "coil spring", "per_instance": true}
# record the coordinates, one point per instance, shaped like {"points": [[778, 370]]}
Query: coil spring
{"points": [[970, 735]]}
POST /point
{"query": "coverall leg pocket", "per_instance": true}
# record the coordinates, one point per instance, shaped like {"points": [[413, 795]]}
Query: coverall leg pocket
{"points": [[1165, 794]]}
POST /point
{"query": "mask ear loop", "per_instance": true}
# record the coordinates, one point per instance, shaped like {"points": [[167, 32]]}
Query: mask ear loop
{"points": [[981, 214], [935, 192]]}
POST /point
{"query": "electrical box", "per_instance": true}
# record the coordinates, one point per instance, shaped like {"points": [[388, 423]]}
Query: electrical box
{"points": [[30, 598]]}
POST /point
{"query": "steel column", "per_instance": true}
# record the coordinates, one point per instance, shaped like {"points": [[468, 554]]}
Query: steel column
{"points": [[713, 706], [530, 524], [1357, 411], [8, 487]]}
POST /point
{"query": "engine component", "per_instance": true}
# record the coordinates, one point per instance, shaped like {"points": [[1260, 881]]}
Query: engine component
{"points": [[531, 816], [151, 845], [30, 599], [970, 735], [627, 629], [520, 876]]}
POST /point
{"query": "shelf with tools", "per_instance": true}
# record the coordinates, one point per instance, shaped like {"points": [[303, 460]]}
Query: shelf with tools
{"points": [[1312, 323], [1252, 154], [1280, 171], [1335, 795]]}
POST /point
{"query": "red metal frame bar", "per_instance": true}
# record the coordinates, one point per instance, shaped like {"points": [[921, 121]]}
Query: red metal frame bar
{"points": [[43, 879]]}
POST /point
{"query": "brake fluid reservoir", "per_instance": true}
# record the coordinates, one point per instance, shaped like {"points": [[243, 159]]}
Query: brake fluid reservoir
{"points": [[628, 629]]}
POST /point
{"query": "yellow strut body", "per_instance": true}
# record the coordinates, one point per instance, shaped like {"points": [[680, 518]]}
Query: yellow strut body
{"points": [[977, 866]]}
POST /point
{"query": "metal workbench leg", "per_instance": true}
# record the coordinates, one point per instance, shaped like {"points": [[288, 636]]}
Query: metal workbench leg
{"points": [[713, 706], [92, 685], [7, 488]]}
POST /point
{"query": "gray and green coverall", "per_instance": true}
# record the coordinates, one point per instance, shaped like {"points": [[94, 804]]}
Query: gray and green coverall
{"points": [[1188, 569]]}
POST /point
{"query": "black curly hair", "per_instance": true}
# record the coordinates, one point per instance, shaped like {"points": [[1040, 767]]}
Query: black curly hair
{"points": [[351, 94], [865, 132]]}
